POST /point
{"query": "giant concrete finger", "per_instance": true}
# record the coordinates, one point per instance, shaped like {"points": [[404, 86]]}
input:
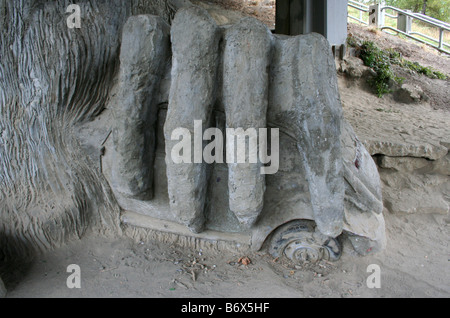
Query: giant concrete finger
{"points": [[195, 45], [304, 102], [245, 96], [145, 48]]}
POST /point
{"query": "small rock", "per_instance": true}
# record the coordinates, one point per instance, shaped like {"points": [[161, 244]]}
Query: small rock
{"points": [[355, 68], [410, 94]]}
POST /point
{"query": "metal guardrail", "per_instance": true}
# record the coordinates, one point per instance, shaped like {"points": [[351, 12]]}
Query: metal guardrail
{"points": [[377, 14], [362, 8]]}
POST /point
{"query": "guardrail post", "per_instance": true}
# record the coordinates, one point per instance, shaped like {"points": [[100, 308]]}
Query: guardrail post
{"points": [[404, 22], [441, 38], [376, 16]]}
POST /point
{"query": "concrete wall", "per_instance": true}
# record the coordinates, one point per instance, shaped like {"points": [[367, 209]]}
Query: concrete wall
{"points": [[337, 12]]}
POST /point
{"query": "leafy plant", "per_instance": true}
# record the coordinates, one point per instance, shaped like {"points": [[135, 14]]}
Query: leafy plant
{"points": [[380, 62], [427, 71]]}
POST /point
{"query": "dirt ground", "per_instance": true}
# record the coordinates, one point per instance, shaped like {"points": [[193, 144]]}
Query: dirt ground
{"points": [[414, 264]]}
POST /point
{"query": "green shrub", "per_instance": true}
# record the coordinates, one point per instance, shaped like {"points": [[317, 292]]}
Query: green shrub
{"points": [[381, 62], [427, 71]]}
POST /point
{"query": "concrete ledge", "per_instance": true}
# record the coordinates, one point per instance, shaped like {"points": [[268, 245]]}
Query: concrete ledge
{"points": [[140, 227]]}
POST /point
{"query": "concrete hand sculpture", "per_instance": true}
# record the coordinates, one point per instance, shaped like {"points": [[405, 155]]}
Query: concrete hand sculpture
{"points": [[139, 74], [232, 82]]}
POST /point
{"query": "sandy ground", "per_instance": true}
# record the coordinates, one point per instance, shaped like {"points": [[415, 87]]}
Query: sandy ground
{"points": [[415, 263]]}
